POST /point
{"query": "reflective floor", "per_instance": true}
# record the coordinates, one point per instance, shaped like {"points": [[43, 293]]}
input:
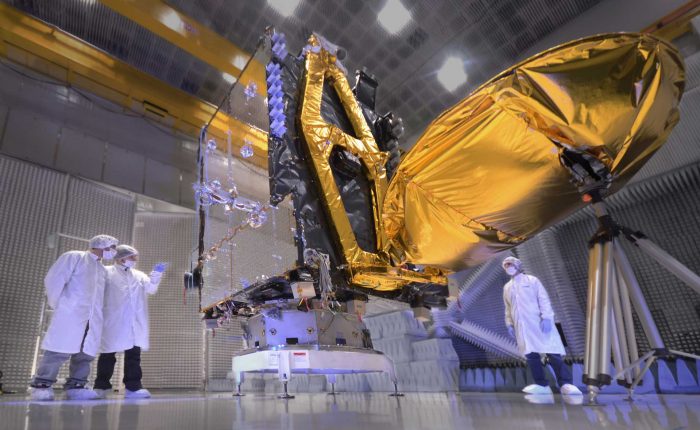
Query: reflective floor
{"points": [[356, 411]]}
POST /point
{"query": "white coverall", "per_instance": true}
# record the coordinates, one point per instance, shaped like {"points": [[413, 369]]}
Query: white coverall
{"points": [[527, 304], [75, 290], [126, 308]]}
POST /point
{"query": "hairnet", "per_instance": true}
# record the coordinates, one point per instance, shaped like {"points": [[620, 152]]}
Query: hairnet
{"points": [[515, 262], [124, 251], [102, 241]]}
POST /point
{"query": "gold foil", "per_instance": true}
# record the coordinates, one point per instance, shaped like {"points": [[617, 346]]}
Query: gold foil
{"points": [[321, 137], [485, 175], [367, 269]]}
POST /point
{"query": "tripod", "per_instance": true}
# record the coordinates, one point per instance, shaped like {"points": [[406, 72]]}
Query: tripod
{"points": [[613, 289]]}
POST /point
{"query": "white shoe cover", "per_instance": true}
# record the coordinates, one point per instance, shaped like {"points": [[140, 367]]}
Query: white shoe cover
{"points": [[81, 394], [138, 394], [42, 394], [537, 389], [101, 394]]}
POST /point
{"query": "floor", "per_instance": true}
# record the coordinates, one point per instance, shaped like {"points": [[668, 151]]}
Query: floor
{"points": [[355, 411]]}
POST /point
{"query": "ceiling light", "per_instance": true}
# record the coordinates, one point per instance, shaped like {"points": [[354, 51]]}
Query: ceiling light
{"points": [[284, 7], [394, 16], [239, 61], [451, 75], [228, 78], [172, 20]]}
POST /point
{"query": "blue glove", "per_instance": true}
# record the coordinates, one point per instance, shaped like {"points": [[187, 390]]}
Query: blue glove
{"points": [[546, 325], [160, 267], [511, 331]]}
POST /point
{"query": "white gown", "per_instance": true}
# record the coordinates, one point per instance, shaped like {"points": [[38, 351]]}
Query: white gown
{"points": [[75, 290], [126, 308], [527, 304]]}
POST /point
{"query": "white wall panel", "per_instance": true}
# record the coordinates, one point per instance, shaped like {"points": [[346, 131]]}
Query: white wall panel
{"points": [[222, 344]]}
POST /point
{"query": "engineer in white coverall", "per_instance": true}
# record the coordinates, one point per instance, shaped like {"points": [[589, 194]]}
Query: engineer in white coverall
{"points": [[74, 289], [530, 319], [126, 321]]}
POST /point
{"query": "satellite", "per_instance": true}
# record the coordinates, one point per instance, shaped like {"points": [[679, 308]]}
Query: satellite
{"points": [[511, 159]]}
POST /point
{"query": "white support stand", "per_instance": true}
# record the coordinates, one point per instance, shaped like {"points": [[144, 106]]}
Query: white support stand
{"points": [[331, 380], [284, 372], [330, 362]]}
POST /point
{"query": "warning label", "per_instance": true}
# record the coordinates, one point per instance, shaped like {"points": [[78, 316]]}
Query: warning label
{"points": [[300, 359]]}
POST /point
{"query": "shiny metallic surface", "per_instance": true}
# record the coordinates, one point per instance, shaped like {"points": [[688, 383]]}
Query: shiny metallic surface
{"points": [[595, 267], [319, 67], [290, 328], [621, 355], [605, 312], [310, 348], [486, 174], [182, 410]]}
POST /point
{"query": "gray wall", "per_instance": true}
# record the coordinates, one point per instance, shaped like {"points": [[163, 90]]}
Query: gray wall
{"points": [[608, 16], [176, 356], [30, 209], [38, 202], [57, 127], [78, 140]]}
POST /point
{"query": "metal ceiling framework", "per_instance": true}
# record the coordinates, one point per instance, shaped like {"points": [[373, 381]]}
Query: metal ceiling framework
{"points": [[67, 59], [184, 42], [487, 34], [143, 51], [189, 35]]}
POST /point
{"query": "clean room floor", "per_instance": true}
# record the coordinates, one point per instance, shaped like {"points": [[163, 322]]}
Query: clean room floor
{"points": [[356, 411]]}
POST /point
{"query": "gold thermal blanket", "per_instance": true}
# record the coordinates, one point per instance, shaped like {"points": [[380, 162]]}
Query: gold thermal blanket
{"points": [[485, 175]]}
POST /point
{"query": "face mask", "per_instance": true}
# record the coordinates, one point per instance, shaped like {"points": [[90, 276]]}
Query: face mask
{"points": [[108, 255], [511, 271], [129, 263]]}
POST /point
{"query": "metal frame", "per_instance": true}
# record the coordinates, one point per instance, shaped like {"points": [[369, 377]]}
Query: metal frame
{"points": [[188, 34], [311, 359], [613, 289], [45, 49]]}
